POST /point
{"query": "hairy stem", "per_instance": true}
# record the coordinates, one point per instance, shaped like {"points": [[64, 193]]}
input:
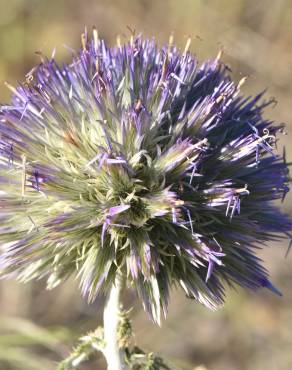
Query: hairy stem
{"points": [[111, 318]]}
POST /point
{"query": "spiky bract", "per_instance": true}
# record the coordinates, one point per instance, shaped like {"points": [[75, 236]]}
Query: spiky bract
{"points": [[136, 160]]}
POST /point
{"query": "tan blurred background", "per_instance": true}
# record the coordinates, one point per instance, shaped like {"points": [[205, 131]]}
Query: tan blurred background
{"points": [[252, 332]]}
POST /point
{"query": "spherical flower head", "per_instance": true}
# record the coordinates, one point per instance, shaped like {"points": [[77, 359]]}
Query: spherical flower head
{"points": [[137, 161]]}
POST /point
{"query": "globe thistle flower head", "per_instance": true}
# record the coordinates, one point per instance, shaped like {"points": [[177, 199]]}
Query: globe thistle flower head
{"points": [[136, 160]]}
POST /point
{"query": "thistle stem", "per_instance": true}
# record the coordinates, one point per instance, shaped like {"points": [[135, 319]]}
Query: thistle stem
{"points": [[111, 319]]}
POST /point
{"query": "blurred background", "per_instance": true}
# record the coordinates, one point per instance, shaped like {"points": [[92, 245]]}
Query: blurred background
{"points": [[252, 332]]}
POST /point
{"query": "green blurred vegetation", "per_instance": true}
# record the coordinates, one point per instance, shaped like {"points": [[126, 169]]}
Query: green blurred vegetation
{"points": [[252, 332]]}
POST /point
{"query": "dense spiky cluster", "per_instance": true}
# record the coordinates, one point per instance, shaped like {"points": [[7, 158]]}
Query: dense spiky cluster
{"points": [[136, 160]]}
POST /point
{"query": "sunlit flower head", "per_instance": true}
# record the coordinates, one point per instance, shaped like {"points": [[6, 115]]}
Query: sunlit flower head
{"points": [[137, 160]]}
